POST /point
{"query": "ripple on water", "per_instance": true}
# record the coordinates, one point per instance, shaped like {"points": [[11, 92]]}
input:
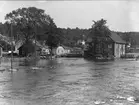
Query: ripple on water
{"points": [[76, 82], [99, 102]]}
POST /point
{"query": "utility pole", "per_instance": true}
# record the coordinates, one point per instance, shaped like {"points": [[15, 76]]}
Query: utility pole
{"points": [[35, 41], [35, 44], [11, 47]]}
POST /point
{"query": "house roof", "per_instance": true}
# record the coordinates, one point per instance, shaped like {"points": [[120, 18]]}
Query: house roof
{"points": [[21, 42], [116, 38]]}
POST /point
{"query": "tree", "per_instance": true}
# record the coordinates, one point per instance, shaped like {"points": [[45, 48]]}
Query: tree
{"points": [[100, 34], [27, 20], [99, 28], [1, 28], [53, 36], [72, 36]]}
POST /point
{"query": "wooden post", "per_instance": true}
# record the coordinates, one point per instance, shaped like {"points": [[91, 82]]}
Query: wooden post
{"points": [[11, 48], [35, 31]]}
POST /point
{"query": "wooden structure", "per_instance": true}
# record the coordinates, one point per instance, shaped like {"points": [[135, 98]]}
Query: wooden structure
{"points": [[111, 45]]}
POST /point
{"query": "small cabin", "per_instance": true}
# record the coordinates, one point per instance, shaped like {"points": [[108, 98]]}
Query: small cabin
{"points": [[26, 49], [62, 50]]}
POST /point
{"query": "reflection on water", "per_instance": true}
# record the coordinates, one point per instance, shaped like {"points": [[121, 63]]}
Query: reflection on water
{"points": [[71, 81]]}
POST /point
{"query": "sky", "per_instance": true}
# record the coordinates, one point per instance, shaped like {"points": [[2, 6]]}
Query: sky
{"points": [[120, 15]]}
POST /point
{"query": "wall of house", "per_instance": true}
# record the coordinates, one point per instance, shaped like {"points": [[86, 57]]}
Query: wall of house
{"points": [[119, 49], [60, 50], [67, 51], [26, 49]]}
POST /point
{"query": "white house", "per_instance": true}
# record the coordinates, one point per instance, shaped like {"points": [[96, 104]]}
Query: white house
{"points": [[45, 51], [60, 50]]}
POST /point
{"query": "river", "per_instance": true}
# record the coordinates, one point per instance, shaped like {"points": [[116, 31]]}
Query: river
{"points": [[71, 81]]}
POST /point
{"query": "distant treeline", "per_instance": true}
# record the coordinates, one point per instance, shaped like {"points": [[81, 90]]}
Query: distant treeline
{"points": [[73, 35], [130, 37]]}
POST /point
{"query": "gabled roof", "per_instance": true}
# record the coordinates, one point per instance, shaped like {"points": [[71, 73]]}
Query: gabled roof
{"points": [[38, 44], [116, 38]]}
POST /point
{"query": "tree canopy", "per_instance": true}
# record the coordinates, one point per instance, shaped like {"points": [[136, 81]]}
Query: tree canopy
{"points": [[99, 35], [27, 20], [53, 36], [99, 29]]}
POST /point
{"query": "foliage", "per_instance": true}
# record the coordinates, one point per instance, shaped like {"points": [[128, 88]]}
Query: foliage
{"points": [[5, 29], [99, 33], [99, 29], [1, 28], [53, 35], [73, 35], [5, 46], [26, 20], [29, 21], [130, 37]]}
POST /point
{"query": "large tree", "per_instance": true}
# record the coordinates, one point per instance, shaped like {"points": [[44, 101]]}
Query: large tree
{"points": [[100, 37], [27, 20], [53, 35], [100, 29]]}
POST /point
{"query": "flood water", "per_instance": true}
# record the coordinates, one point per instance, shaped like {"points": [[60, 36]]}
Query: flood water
{"points": [[71, 81]]}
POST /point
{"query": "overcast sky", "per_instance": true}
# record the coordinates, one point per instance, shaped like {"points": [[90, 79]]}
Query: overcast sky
{"points": [[120, 15]]}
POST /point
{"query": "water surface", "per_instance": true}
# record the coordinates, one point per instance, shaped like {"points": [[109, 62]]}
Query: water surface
{"points": [[71, 81]]}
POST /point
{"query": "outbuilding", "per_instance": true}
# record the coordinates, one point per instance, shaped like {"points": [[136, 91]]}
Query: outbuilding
{"points": [[60, 50], [112, 45]]}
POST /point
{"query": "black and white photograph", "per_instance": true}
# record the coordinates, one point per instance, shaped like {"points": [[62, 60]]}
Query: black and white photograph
{"points": [[69, 52]]}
